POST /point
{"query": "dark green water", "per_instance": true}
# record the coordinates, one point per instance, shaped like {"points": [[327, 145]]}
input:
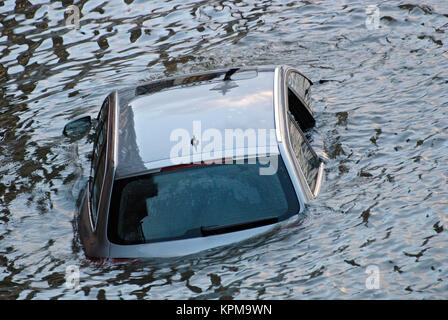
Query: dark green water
{"points": [[383, 126]]}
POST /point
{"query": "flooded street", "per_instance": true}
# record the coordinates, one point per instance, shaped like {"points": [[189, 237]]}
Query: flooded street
{"points": [[381, 104]]}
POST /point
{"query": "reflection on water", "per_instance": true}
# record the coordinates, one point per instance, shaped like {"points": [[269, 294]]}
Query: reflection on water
{"points": [[382, 123]]}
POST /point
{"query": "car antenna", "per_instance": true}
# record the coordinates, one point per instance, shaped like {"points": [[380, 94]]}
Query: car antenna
{"points": [[230, 73]]}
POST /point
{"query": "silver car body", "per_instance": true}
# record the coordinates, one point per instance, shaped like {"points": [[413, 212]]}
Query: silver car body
{"points": [[141, 119]]}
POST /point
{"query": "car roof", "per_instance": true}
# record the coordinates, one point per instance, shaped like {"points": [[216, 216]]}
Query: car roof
{"points": [[151, 112]]}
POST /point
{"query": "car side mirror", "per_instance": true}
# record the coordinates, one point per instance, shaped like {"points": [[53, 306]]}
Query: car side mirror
{"points": [[77, 128]]}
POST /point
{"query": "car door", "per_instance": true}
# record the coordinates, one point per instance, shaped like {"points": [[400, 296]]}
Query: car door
{"points": [[93, 220], [299, 120], [99, 161]]}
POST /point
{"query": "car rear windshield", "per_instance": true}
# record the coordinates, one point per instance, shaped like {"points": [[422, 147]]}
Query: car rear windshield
{"points": [[200, 201]]}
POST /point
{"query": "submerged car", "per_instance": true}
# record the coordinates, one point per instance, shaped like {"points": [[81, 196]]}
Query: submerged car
{"points": [[163, 184]]}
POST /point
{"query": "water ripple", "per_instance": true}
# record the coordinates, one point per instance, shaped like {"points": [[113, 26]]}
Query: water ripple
{"points": [[381, 122]]}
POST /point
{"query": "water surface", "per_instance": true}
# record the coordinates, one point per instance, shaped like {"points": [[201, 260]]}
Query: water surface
{"points": [[382, 123]]}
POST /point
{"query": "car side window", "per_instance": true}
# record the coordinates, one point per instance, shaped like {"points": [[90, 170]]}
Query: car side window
{"points": [[99, 160], [308, 160], [298, 96]]}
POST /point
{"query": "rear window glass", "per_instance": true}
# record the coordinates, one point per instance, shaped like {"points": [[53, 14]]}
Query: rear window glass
{"points": [[200, 201]]}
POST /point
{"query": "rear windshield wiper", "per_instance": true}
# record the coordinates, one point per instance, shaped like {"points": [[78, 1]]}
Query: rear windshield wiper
{"points": [[209, 231]]}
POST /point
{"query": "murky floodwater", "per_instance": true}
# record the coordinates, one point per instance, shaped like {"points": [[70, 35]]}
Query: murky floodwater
{"points": [[382, 123]]}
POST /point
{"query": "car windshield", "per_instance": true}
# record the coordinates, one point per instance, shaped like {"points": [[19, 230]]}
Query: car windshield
{"points": [[200, 201]]}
